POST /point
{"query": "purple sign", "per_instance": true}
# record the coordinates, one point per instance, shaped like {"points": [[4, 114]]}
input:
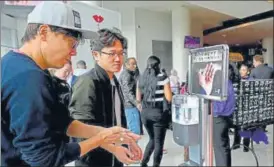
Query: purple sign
{"points": [[192, 42]]}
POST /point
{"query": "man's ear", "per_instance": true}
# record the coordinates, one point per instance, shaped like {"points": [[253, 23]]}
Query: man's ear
{"points": [[95, 55], [43, 31]]}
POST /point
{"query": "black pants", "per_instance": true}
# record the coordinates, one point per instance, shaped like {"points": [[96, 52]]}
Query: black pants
{"points": [[221, 141], [237, 139], [99, 161], [141, 126], [154, 120]]}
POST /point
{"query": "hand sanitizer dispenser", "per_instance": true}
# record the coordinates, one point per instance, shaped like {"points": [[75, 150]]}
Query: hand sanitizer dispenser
{"points": [[185, 119]]}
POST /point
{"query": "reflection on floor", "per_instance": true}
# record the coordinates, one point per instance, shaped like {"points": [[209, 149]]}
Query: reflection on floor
{"points": [[174, 157]]}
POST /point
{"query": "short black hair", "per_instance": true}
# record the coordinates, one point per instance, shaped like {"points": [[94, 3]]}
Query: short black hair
{"points": [[32, 30], [81, 63], [106, 38], [128, 59]]}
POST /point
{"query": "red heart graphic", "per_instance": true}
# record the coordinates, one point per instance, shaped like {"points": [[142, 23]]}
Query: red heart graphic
{"points": [[98, 18]]}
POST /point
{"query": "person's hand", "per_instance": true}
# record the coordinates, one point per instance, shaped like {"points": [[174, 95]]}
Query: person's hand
{"points": [[124, 155], [139, 107], [136, 151], [117, 135], [206, 77]]}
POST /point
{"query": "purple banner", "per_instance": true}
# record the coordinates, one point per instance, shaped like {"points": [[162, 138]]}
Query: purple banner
{"points": [[192, 42]]}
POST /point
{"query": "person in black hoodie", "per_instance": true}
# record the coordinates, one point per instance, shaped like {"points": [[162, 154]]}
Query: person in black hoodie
{"points": [[97, 98]]}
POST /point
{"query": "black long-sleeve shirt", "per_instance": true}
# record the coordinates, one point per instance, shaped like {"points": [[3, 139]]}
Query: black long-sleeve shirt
{"points": [[33, 121]]}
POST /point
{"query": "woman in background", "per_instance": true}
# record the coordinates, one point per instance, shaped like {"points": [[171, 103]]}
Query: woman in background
{"points": [[153, 89], [244, 72]]}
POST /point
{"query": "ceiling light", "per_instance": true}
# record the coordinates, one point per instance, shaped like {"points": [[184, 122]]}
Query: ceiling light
{"points": [[224, 35], [237, 44]]}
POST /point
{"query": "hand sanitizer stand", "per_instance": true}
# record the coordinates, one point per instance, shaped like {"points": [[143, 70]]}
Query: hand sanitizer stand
{"points": [[192, 114], [186, 112]]}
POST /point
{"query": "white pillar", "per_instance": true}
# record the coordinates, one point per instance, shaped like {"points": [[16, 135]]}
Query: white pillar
{"points": [[181, 27], [268, 55]]}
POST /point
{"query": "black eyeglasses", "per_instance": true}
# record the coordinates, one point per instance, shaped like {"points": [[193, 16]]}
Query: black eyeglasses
{"points": [[114, 54], [69, 33]]}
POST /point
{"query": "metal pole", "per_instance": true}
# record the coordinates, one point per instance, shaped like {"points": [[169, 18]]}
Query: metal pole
{"points": [[210, 134]]}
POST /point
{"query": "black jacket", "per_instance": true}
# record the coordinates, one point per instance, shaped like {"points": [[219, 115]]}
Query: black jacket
{"points": [[63, 90], [262, 72], [128, 84], [92, 103]]}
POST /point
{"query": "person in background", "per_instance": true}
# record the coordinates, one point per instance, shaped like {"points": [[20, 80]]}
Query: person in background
{"points": [[128, 85], [244, 73], [167, 106], [81, 64], [153, 88], [81, 68], [33, 121], [65, 73], [136, 76], [183, 88], [261, 71], [97, 98], [222, 112], [174, 81]]}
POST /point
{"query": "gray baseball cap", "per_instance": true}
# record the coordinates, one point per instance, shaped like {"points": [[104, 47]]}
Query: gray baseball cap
{"points": [[58, 13]]}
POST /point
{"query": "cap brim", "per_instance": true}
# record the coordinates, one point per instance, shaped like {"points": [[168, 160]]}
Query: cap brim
{"points": [[86, 34]]}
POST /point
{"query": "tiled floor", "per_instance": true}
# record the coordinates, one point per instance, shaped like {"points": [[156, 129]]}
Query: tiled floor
{"points": [[174, 157]]}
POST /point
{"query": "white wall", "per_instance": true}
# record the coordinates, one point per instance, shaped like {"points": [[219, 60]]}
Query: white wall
{"points": [[9, 31], [153, 26], [16, 25], [7, 21], [129, 29], [21, 27]]}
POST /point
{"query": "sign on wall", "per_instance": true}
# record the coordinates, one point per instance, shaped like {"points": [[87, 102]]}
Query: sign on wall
{"points": [[208, 73], [192, 42]]}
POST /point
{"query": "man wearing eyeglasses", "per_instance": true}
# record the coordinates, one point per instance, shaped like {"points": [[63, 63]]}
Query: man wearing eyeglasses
{"points": [[33, 120], [97, 98]]}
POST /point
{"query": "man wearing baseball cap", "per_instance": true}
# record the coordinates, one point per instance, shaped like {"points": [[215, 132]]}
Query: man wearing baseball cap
{"points": [[33, 121]]}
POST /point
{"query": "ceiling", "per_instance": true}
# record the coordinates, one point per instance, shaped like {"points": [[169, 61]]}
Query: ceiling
{"points": [[17, 11], [212, 14], [208, 15], [245, 34], [238, 9], [209, 18]]}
